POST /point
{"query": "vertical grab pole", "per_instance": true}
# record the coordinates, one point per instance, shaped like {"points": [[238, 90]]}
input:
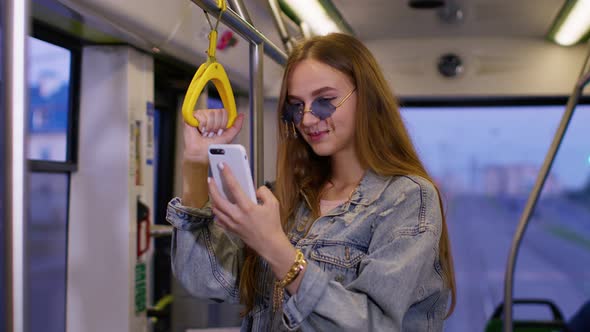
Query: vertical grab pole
{"points": [[257, 112], [256, 99], [15, 100], [534, 196]]}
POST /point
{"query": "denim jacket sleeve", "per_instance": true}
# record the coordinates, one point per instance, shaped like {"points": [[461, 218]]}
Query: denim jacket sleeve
{"points": [[399, 270], [205, 259]]}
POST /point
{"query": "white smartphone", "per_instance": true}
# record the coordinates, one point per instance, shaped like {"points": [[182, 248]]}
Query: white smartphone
{"points": [[234, 156]]}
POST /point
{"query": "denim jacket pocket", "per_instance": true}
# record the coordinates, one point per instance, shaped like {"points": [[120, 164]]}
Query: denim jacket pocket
{"points": [[340, 259]]}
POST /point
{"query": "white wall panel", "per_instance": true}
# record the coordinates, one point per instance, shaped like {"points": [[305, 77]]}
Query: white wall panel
{"points": [[116, 84]]}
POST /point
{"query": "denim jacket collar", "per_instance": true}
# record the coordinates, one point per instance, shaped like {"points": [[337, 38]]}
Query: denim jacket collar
{"points": [[369, 189]]}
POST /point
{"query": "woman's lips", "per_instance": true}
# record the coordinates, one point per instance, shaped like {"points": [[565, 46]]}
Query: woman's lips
{"points": [[316, 136]]}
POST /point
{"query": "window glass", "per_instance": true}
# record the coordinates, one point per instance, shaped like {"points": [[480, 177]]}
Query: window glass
{"points": [[47, 251], [214, 101], [486, 160], [558, 237], [49, 95]]}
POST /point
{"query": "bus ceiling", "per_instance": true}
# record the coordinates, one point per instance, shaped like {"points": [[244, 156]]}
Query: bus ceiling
{"points": [[460, 49]]}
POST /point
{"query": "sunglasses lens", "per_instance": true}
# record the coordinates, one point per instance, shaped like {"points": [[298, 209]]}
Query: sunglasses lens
{"points": [[292, 113], [322, 108], [297, 117]]}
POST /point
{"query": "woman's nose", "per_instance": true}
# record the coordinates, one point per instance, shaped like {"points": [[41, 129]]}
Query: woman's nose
{"points": [[309, 118]]}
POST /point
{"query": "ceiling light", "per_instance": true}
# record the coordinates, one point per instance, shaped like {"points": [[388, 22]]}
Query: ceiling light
{"points": [[320, 16], [572, 24]]}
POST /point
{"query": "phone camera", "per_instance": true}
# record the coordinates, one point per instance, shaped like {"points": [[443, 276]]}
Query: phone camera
{"points": [[217, 151]]}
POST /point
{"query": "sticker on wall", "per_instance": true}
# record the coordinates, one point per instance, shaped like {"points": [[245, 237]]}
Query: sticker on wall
{"points": [[140, 288], [149, 152], [143, 228], [227, 40], [137, 143], [132, 150]]}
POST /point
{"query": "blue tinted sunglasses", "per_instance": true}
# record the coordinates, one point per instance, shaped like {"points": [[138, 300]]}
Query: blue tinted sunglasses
{"points": [[321, 108]]}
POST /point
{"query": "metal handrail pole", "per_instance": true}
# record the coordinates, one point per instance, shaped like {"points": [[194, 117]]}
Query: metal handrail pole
{"points": [[240, 9], [280, 24], [256, 57], [581, 82], [257, 112], [244, 29], [15, 32]]}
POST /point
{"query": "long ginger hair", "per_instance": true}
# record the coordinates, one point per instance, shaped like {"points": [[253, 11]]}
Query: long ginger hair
{"points": [[381, 139]]}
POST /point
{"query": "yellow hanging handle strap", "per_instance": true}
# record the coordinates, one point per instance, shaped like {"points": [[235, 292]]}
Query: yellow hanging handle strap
{"points": [[210, 71]]}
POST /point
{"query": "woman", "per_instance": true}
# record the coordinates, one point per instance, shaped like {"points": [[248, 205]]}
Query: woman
{"points": [[355, 238]]}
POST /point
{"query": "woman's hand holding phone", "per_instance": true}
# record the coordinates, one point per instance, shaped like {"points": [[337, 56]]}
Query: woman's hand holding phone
{"points": [[258, 225], [212, 130]]}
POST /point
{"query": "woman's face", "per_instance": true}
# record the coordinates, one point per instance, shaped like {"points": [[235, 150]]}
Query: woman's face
{"points": [[312, 80]]}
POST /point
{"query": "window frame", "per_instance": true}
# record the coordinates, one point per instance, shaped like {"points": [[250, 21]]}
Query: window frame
{"points": [[491, 101], [46, 33]]}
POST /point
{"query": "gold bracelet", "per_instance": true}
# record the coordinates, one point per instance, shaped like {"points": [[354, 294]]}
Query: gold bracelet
{"points": [[297, 267], [279, 289]]}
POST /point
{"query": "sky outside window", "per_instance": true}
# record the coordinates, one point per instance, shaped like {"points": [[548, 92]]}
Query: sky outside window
{"points": [[49, 77]]}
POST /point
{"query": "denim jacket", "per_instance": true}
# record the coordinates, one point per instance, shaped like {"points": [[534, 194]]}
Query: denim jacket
{"points": [[373, 262]]}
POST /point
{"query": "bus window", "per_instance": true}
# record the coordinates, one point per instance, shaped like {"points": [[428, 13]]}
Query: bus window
{"points": [[47, 251], [557, 239], [486, 160], [52, 61], [49, 96]]}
